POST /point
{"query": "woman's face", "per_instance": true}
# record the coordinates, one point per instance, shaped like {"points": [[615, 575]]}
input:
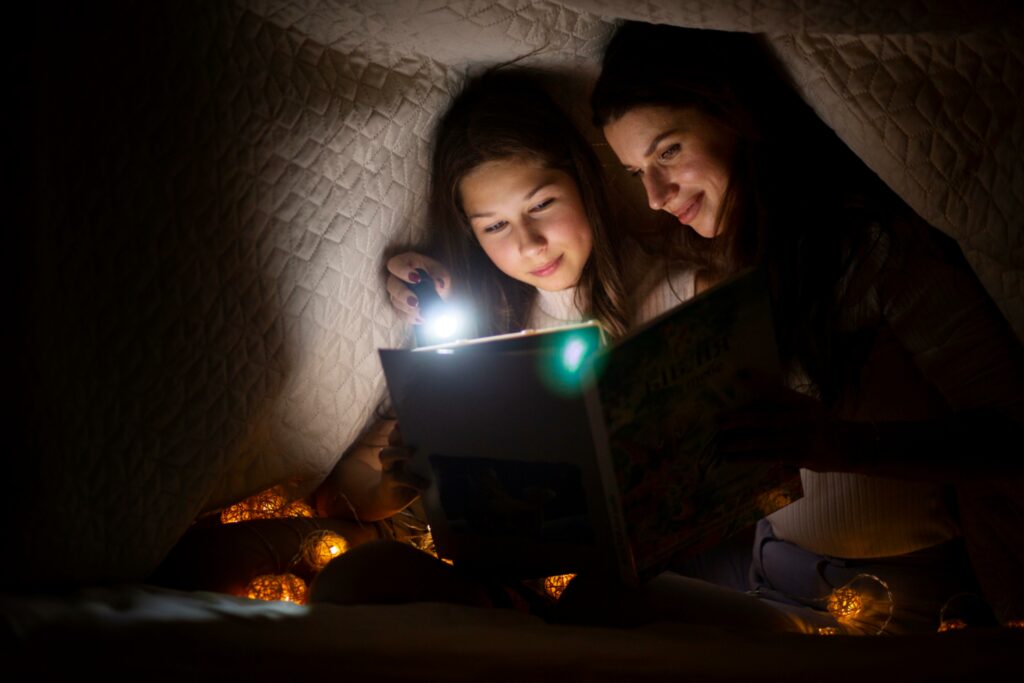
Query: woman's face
{"points": [[529, 220], [682, 156]]}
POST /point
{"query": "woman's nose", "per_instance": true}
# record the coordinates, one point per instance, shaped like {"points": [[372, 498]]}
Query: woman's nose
{"points": [[659, 189]]}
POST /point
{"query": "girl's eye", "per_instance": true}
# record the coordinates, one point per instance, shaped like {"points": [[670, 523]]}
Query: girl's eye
{"points": [[495, 227], [635, 173], [669, 152], [544, 204]]}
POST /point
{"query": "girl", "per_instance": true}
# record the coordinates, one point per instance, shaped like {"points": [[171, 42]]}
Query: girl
{"points": [[519, 213], [902, 362]]}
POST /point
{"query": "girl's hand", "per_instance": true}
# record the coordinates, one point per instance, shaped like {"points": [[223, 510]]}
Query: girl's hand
{"points": [[402, 269], [784, 426], [398, 485]]}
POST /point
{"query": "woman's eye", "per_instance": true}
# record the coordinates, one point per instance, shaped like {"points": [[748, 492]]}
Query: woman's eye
{"points": [[635, 173], [495, 227], [544, 204], [669, 152]]}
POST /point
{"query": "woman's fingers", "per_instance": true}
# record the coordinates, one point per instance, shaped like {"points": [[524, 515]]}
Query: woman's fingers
{"points": [[403, 267]]}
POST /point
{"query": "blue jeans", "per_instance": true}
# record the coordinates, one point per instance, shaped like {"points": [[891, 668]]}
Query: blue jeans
{"points": [[920, 582]]}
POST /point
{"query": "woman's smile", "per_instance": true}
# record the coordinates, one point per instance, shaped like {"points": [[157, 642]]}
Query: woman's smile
{"points": [[690, 209]]}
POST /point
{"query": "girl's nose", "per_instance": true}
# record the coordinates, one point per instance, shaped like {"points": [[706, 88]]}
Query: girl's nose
{"points": [[531, 239], [659, 189]]}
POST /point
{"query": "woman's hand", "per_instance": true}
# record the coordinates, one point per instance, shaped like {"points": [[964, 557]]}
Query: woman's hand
{"points": [[784, 426], [402, 269]]}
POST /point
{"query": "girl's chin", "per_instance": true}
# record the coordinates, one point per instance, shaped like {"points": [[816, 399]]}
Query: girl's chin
{"points": [[559, 285]]}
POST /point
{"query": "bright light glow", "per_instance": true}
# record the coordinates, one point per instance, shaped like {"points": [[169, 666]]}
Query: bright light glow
{"points": [[572, 355], [445, 325]]}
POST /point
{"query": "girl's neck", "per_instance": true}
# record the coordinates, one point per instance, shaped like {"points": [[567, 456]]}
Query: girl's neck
{"points": [[559, 307]]}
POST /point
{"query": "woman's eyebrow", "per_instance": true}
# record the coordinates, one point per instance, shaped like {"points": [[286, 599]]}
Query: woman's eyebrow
{"points": [[654, 143]]}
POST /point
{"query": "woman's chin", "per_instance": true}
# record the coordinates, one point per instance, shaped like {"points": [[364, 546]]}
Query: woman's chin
{"points": [[706, 231]]}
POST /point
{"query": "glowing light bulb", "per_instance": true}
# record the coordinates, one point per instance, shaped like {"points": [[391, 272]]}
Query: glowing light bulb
{"points": [[845, 602], [287, 587], [320, 547], [555, 585]]}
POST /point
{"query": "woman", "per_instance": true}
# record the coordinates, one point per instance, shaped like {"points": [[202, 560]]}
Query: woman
{"points": [[902, 363]]}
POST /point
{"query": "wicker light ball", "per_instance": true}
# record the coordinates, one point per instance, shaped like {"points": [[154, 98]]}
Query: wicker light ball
{"points": [[952, 625], [555, 585], [297, 508], [263, 505], [845, 603], [286, 587], [320, 547]]}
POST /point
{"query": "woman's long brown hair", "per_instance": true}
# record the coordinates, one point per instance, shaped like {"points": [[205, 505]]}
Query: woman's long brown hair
{"points": [[507, 114]]}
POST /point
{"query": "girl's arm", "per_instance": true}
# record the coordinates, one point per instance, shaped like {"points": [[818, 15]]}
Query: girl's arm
{"points": [[370, 482]]}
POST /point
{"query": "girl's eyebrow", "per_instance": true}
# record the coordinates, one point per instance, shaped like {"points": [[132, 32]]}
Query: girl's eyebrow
{"points": [[544, 183]]}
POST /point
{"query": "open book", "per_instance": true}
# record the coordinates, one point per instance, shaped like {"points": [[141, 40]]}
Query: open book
{"points": [[548, 454]]}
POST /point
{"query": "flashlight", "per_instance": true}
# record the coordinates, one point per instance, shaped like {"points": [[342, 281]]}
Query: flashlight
{"points": [[441, 321]]}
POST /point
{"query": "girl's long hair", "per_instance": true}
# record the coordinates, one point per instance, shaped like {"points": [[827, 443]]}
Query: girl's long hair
{"points": [[506, 114], [798, 199]]}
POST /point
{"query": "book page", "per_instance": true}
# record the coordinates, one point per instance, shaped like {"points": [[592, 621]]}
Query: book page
{"points": [[661, 390]]}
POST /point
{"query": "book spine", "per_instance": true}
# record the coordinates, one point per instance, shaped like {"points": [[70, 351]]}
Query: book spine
{"points": [[625, 565]]}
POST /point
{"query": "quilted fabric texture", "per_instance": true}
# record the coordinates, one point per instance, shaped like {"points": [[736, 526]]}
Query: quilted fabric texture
{"points": [[215, 185]]}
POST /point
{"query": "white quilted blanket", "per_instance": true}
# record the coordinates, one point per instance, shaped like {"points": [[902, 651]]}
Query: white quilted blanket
{"points": [[207, 284]]}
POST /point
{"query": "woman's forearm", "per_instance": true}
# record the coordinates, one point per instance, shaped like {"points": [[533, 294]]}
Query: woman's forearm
{"points": [[960, 446]]}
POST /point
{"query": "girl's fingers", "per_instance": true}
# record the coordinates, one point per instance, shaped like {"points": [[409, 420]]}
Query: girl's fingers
{"points": [[391, 455], [403, 477], [404, 266], [403, 301], [395, 436]]}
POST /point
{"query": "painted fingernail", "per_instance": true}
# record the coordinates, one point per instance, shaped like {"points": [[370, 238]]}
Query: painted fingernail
{"points": [[414, 277], [412, 301], [440, 282]]}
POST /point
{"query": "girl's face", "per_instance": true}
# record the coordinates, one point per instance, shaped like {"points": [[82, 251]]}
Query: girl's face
{"points": [[682, 156], [529, 220]]}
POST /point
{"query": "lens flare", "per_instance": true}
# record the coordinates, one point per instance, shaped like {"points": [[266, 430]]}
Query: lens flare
{"points": [[573, 354]]}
